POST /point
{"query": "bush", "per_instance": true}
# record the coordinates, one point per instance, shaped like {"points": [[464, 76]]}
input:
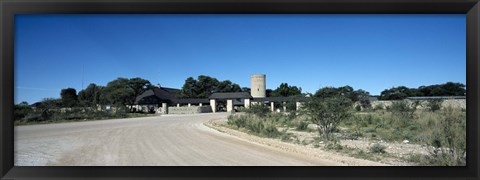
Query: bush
{"points": [[378, 107], [377, 148], [327, 113], [21, 111], [403, 109], [434, 105], [256, 125], [334, 146], [448, 139], [259, 109], [237, 121], [270, 130], [301, 125], [358, 108]]}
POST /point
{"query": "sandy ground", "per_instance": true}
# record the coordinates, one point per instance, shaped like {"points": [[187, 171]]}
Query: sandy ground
{"points": [[170, 140]]}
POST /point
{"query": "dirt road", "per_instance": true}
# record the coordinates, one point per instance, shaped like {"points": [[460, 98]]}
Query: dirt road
{"points": [[175, 140]]}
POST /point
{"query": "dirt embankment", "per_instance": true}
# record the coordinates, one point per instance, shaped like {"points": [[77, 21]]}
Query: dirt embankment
{"points": [[217, 124]]}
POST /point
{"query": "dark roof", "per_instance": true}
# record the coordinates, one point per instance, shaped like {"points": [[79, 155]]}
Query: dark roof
{"points": [[272, 99], [193, 101], [436, 97], [279, 99], [232, 95], [238, 102], [157, 96], [373, 98]]}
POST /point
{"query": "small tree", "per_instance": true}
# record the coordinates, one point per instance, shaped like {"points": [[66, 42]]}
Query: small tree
{"points": [[69, 97], [327, 113]]}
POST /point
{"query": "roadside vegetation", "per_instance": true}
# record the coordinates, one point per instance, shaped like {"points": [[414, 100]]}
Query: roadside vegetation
{"points": [[93, 103], [330, 120]]}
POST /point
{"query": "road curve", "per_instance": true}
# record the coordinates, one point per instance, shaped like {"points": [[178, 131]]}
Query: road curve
{"points": [[168, 140]]}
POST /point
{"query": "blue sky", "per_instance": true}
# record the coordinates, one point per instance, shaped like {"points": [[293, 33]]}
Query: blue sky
{"points": [[370, 52]]}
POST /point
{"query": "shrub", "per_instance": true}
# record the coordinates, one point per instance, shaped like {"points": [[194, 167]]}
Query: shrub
{"points": [[434, 105], [21, 111], [284, 136], [377, 148], [358, 108], [378, 107], [448, 139], [237, 121], [259, 109], [403, 109], [334, 146], [270, 130], [255, 125], [301, 125], [327, 113]]}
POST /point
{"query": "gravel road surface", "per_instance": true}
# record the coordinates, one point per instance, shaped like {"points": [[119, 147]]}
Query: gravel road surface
{"points": [[168, 140]]}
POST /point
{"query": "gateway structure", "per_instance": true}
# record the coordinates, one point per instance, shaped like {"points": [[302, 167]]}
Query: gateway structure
{"points": [[164, 100]]}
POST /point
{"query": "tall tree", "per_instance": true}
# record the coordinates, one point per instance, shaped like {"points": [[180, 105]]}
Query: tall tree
{"points": [[284, 90], [69, 97], [90, 96], [246, 89], [189, 88], [205, 86], [123, 91], [402, 92]]}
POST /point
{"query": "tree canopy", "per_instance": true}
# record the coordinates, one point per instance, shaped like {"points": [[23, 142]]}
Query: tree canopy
{"points": [[344, 91], [204, 86], [91, 95], [327, 113], [123, 91], [284, 90], [69, 97], [402, 92]]}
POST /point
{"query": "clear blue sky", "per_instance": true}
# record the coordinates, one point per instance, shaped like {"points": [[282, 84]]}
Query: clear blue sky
{"points": [[370, 52]]}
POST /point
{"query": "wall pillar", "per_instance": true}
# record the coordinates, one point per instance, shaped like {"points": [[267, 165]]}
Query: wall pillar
{"points": [[229, 105], [213, 104], [299, 105], [247, 103], [164, 108], [272, 106]]}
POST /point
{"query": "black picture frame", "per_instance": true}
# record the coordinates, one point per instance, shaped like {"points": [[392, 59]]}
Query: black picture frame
{"points": [[9, 8]]}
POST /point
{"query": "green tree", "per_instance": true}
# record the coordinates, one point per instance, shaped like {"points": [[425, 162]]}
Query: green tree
{"points": [[90, 96], [284, 90], [402, 92], [228, 86], [359, 95], [123, 91], [21, 110], [327, 113], [189, 89], [47, 108], [396, 93], [246, 89], [204, 86], [454, 89], [69, 97]]}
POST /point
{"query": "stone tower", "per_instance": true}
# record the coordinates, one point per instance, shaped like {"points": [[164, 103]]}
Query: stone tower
{"points": [[258, 85]]}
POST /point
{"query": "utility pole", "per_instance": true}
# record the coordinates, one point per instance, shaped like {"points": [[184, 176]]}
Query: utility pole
{"points": [[83, 73]]}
